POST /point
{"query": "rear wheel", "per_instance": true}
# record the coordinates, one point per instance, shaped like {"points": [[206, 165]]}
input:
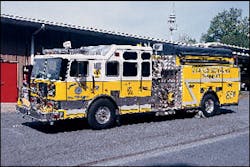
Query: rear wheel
{"points": [[209, 105], [101, 114]]}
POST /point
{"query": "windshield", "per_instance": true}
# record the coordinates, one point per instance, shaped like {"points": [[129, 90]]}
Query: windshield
{"points": [[38, 68], [53, 68], [47, 68]]}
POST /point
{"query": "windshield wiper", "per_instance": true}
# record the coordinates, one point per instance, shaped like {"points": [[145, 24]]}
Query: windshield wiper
{"points": [[41, 74]]}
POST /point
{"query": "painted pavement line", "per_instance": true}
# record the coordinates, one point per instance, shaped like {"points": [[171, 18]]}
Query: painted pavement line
{"points": [[165, 150]]}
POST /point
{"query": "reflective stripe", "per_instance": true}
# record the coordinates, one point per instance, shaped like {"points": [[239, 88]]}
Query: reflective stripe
{"points": [[75, 111], [145, 106], [129, 107], [231, 79], [213, 80]]}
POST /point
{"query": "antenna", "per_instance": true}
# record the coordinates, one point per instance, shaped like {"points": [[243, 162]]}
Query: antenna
{"points": [[172, 22]]}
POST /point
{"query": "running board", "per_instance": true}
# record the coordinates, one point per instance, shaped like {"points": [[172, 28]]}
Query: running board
{"points": [[163, 113]]}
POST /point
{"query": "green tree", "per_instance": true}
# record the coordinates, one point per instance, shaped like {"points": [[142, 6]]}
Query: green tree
{"points": [[228, 27]]}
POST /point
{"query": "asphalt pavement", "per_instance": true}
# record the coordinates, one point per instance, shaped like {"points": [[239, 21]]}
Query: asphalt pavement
{"points": [[219, 151], [142, 138]]}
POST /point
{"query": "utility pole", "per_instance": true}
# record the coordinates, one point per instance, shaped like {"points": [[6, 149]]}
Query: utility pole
{"points": [[172, 22]]}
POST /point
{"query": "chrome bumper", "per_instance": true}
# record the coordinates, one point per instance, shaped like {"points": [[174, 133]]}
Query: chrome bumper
{"points": [[37, 115]]}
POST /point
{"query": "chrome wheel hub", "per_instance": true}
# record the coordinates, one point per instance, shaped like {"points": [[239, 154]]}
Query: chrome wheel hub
{"points": [[209, 106], [102, 115]]}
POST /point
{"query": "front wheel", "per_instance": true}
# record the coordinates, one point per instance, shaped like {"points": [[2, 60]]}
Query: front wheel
{"points": [[209, 105], [101, 114]]}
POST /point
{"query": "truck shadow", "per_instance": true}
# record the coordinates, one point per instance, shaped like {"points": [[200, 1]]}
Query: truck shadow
{"points": [[59, 126], [225, 111], [82, 124], [128, 119], [150, 117]]}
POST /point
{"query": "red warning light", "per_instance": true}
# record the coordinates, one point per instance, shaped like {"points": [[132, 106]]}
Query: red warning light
{"points": [[117, 54]]}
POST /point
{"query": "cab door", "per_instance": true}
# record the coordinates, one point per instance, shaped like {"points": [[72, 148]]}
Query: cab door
{"points": [[130, 82], [85, 80], [79, 82]]}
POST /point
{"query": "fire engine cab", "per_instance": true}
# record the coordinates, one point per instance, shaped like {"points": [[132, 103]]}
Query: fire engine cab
{"points": [[102, 82]]}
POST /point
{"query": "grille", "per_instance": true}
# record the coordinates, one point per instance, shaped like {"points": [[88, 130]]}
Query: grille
{"points": [[43, 89]]}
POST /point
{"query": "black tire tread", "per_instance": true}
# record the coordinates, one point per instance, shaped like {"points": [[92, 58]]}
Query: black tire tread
{"points": [[92, 110], [216, 105]]}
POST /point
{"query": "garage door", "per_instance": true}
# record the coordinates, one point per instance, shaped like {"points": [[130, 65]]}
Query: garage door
{"points": [[8, 82]]}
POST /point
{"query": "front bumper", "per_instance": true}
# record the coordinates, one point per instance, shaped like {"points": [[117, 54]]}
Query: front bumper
{"points": [[37, 115]]}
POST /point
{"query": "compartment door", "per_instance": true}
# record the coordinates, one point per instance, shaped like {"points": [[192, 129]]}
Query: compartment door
{"points": [[130, 83]]}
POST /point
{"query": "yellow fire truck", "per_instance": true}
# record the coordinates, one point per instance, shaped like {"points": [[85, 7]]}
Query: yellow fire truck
{"points": [[102, 82]]}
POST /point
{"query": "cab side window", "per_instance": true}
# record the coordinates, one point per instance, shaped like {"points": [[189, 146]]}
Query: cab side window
{"points": [[145, 69], [130, 66], [129, 69], [145, 56], [145, 65], [112, 68], [130, 55], [79, 69]]}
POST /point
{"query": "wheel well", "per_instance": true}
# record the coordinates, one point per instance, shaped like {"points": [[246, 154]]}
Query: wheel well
{"points": [[212, 93], [103, 97]]}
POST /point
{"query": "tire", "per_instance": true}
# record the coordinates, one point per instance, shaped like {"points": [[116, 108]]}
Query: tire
{"points": [[101, 114], [209, 105]]}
